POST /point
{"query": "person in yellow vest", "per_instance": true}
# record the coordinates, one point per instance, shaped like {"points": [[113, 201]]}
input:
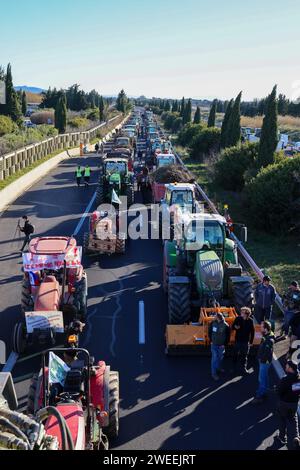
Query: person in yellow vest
{"points": [[87, 175], [78, 174]]}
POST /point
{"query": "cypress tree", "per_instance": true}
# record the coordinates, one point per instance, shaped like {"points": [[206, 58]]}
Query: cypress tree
{"points": [[61, 115], [24, 103], [101, 109], [224, 129], [234, 123], [12, 107], [197, 116], [269, 132], [212, 115], [167, 106], [187, 112], [182, 108]]}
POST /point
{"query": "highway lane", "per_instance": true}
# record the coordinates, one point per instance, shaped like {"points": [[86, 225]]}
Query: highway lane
{"points": [[166, 403]]}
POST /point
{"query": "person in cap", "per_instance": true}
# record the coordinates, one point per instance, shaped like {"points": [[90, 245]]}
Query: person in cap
{"points": [[291, 304], [264, 295], [265, 357], [288, 391], [219, 335]]}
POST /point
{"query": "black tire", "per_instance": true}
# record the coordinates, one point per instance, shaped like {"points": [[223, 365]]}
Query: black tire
{"points": [[120, 245], [26, 300], [130, 195], [80, 297], [100, 194], [19, 338], [243, 294], [112, 429], [179, 304], [32, 394], [86, 239]]}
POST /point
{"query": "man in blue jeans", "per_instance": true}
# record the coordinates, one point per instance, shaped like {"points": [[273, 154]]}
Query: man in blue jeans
{"points": [[219, 335], [264, 356], [264, 295]]}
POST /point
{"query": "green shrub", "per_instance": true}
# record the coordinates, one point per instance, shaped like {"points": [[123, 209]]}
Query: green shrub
{"points": [[93, 115], [188, 133], [78, 122], [205, 143], [234, 164], [273, 197], [7, 126], [177, 125]]}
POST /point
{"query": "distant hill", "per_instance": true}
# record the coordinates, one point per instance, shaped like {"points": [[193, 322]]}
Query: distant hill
{"points": [[30, 89]]}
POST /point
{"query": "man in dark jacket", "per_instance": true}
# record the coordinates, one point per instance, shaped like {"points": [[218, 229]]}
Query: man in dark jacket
{"points": [[219, 335], [264, 295], [244, 336], [28, 230], [291, 303], [264, 356], [288, 393]]}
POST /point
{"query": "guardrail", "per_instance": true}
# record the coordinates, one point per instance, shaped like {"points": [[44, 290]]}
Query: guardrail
{"points": [[21, 158], [244, 253]]}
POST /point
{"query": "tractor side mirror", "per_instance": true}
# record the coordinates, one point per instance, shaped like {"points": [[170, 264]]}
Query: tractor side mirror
{"points": [[244, 234]]}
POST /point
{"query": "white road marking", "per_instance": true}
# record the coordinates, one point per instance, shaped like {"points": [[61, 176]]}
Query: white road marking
{"points": [[83, 217], [142, 338]]}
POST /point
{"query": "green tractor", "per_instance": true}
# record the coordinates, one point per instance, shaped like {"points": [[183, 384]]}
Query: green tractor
{"points": [[115, 176], [202, 270]]}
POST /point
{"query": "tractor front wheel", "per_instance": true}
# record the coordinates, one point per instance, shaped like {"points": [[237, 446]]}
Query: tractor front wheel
{"points": [[130, 195], [112, 429], [243, 294], [120, 245], [179, 304]]}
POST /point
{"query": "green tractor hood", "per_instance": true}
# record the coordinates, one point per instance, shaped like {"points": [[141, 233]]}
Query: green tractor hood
{"points": [[209, 273]]}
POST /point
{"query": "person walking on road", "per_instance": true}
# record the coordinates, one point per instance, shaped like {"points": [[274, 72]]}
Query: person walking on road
{"points": [[87, 175], [288, 391], [264, 356], [291, 303], [219, 335], [78, 175], [244, 335], [28, 230], [264, 295]]}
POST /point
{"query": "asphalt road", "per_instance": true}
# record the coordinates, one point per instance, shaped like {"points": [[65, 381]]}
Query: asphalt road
{"points": [[166, 402]]}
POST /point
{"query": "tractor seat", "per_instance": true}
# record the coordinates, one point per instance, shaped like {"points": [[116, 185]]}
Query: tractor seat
{"points": [[48, 295], [73, 382]]}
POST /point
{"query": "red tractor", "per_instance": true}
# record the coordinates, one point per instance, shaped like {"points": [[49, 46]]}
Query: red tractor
{"points": [[54, 291], [83, 413]]}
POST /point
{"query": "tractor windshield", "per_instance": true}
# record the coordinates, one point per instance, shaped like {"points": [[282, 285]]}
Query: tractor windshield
{"points": [[208, 233], [182, 198], [115, 167]]}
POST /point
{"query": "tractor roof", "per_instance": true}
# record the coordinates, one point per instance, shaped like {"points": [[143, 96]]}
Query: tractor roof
{"points": [[51, 245], [180, 187], [188, 217], [116, 160]]}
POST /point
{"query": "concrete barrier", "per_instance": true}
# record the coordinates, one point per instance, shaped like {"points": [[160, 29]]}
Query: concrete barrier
{"points": [[9, 194]]}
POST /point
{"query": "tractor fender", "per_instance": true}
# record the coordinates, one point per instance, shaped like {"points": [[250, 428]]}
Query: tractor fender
{"points": [[99, 386]]}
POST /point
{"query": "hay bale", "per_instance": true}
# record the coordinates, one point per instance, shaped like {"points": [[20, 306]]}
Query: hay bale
{"points": [[172, 174]]}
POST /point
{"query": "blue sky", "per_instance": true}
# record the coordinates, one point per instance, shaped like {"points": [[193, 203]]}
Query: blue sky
{"points": [[166, 48]]}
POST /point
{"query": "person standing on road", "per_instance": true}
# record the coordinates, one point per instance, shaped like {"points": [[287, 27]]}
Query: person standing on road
{"points": [[28, 230], [244, 335], [264, 356], [219, 335], [97, 148], [288, 391], [264, 295], [291, 303], [78, 175], [87, 175]]}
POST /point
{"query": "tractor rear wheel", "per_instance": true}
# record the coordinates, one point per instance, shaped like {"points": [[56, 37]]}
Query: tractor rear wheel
{"points": [[243, 294], [112, 429], [100, 194], [80, 297], [26, 300], [179, 304], [120, 245], [86, 241], [19, 338], [130, 195], [32, 394]]}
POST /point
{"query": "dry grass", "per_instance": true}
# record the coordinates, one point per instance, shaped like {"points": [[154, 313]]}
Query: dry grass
{"points": [[285, 123], [33, 97]]}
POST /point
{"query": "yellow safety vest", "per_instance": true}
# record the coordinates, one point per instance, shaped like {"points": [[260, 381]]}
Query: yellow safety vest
{"points": [[87, 171], [78, 173]]}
